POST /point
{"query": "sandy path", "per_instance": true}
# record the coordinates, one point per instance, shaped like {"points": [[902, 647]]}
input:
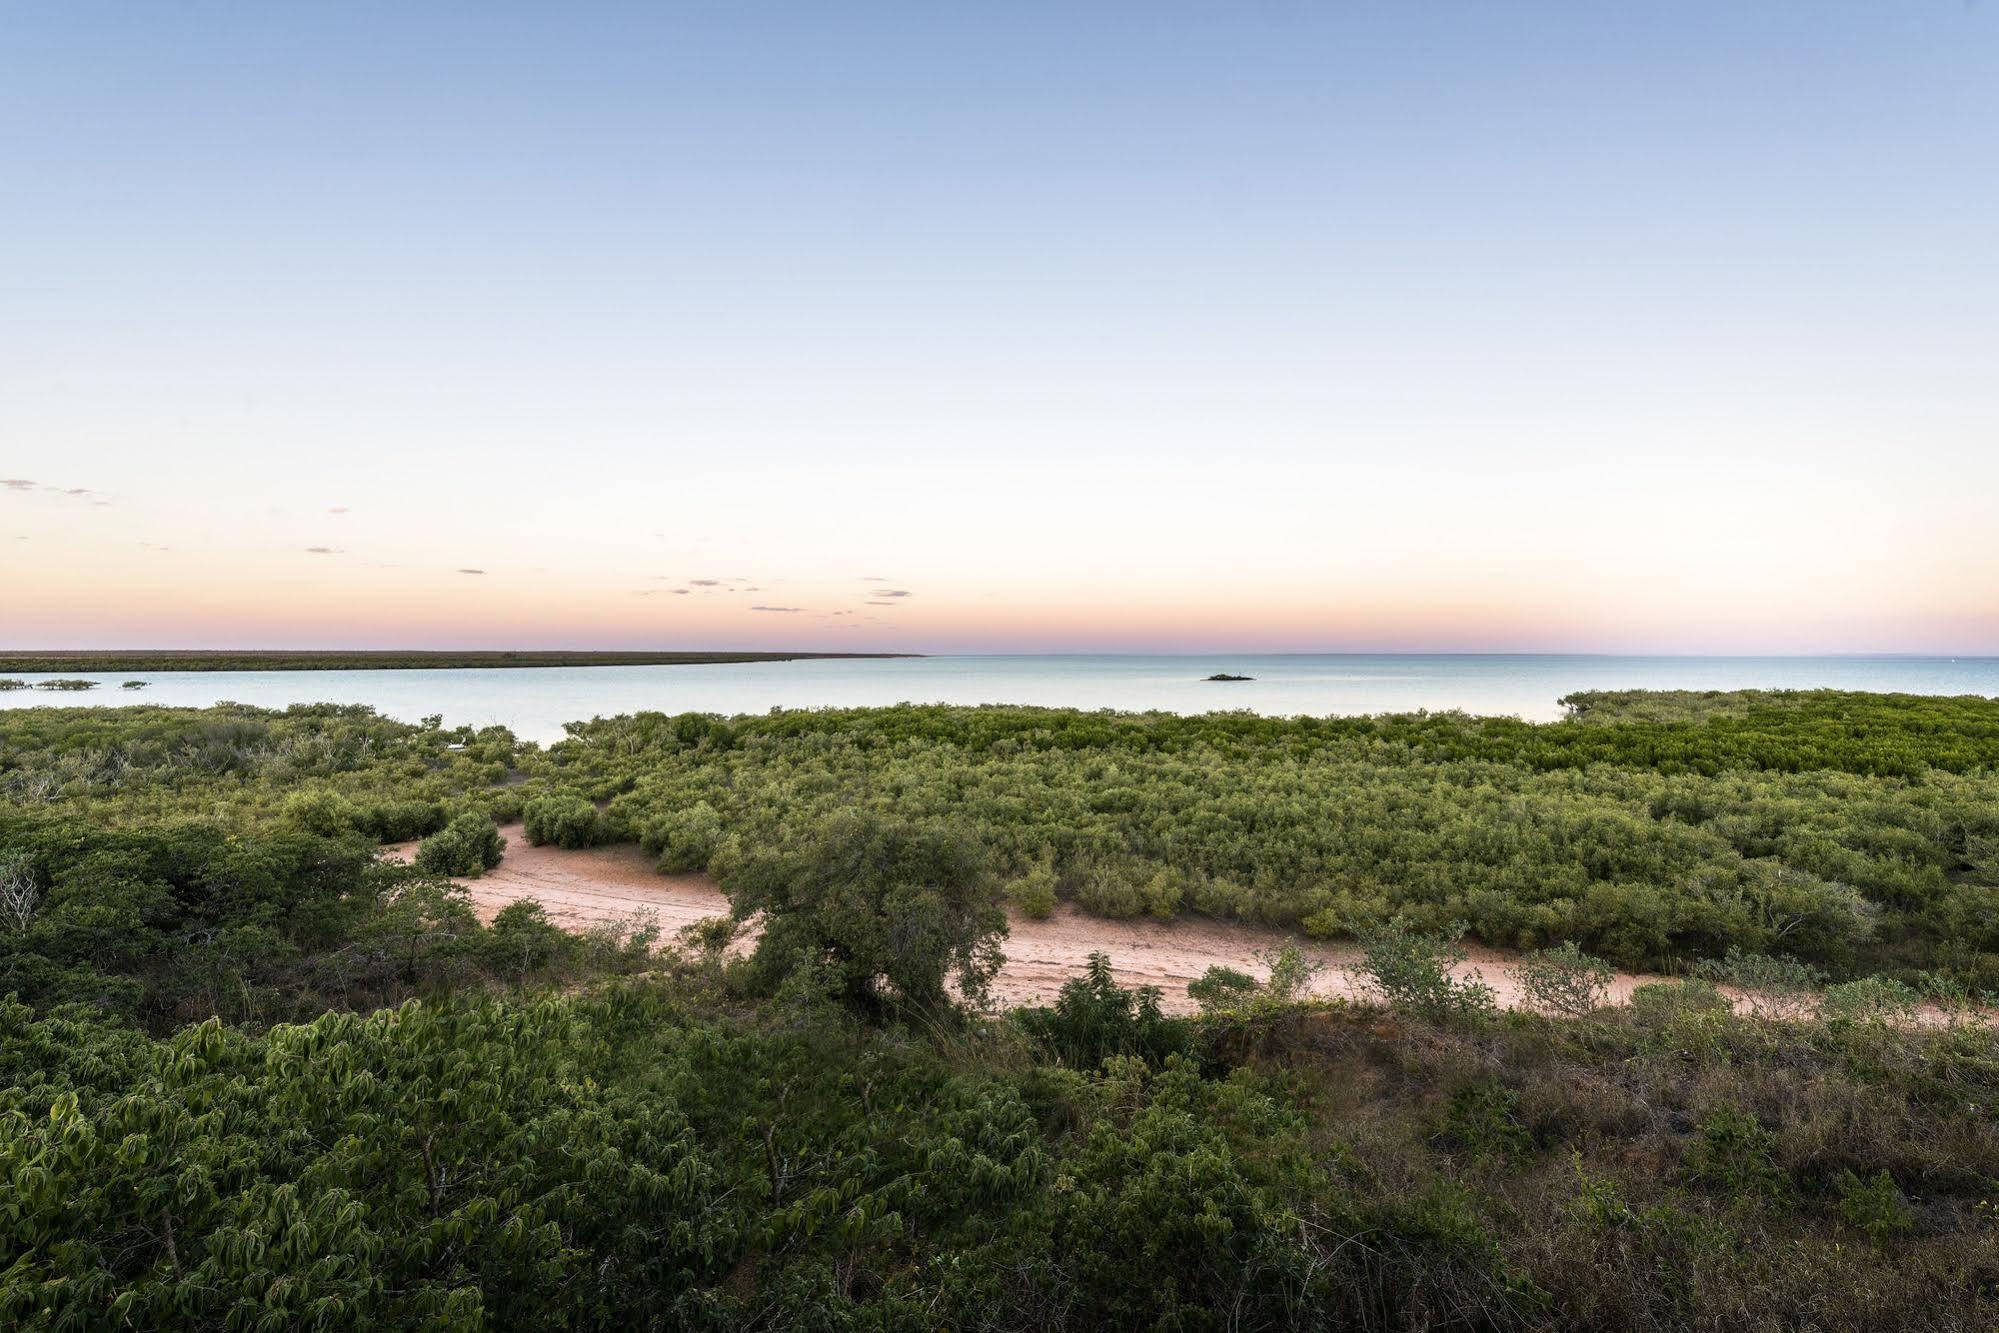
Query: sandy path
{"points": [[579, 889]]}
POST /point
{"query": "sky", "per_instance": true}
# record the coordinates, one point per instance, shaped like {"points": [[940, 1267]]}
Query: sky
{"points": [[1662, 326]]}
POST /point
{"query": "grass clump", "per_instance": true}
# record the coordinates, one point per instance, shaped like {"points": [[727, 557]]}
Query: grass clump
{"points": [[1773, 987], [1564, 980], [1870, 1001], [1876, 1207], [1415, 971]]}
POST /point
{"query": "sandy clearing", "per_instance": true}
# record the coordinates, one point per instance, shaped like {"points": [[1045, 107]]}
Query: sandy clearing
{"points": [[580, 889]]}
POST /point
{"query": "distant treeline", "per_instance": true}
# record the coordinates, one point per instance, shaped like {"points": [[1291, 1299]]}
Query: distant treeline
{"points": [[393, 660]]}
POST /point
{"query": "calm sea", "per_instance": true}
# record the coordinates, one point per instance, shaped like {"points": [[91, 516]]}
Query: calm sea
{"points": [[535, 702]]}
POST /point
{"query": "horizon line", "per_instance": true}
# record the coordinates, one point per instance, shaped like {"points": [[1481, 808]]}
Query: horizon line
{"points": [[889, 653]]}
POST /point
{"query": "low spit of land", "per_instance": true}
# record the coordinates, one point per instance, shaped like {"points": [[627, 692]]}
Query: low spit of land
{"points": [[260, 659]]}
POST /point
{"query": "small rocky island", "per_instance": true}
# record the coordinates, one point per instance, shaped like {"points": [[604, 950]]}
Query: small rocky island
{"points": [[1223, 675]]}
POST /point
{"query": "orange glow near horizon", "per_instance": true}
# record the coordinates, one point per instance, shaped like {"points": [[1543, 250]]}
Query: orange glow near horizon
{"points": [[211, 600]]}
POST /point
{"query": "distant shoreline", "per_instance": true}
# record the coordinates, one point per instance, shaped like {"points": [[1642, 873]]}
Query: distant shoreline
{"points": [[257, 659]]}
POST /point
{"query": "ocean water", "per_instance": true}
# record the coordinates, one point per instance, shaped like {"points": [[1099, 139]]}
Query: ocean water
{"points": [[535, 702]]}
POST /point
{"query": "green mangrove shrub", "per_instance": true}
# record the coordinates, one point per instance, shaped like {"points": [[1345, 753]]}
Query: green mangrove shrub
{"points": [[1094, 1019], [684, 840], [565, 820], [1033, 893], [878, 913], [468, 845]]}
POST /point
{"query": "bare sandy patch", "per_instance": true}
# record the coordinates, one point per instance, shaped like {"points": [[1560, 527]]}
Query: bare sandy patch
{"points": [[585, 888]]}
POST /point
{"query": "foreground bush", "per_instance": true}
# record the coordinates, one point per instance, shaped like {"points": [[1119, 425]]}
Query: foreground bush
{"points": [[1095, 1019], [647, 1155]]}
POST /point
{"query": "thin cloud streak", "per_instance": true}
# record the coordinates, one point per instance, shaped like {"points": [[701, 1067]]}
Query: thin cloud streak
{"points": [[25, 485]]}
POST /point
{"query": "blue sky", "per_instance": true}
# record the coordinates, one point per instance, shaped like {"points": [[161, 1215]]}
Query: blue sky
{"points": [[1373, 325]]}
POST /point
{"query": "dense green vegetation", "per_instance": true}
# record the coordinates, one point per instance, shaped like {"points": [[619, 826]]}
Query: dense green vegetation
{"points": [[164, 865], [654, 1155], [1860, 832], [180, 659], [253, 1075], [331, 767]]}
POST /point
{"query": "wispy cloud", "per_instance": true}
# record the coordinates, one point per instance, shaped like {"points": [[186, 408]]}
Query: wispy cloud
{"points": [[339, 509], [780, 610], [323, 550], [471, 571], [706, 583], [894, 592], [24, 484]]}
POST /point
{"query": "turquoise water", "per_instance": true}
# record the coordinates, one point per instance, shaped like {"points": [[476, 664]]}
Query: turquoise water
{"points": [[535, 702]]}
